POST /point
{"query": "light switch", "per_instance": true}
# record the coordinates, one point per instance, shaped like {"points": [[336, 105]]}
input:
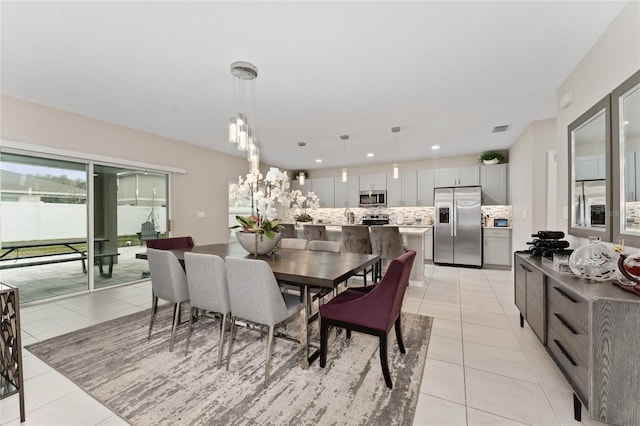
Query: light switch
{"points": [[524, 213], [200, 214], [565, 212]]}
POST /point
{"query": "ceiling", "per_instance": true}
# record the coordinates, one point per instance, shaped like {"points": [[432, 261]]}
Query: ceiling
{"points": [[446, 73]]}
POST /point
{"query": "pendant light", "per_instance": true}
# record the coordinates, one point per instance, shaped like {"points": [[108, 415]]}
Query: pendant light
{"points": [[241, 133], [344, 146], [396, 166], [301, 175]]}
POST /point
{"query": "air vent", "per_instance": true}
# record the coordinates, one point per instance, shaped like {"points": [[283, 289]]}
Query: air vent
{"points": [[499, 129]]}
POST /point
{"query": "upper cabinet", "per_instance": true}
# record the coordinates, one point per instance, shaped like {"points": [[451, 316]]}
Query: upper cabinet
{"points": [[462, 176], [625, 121], [494, 180], [347, 194], [425, 188], [324, 189], [591, 167], [589, 139], [402, 192], [373, 182]]}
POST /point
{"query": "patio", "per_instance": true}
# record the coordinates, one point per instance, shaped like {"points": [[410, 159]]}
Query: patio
{"points": [[45, 281]]}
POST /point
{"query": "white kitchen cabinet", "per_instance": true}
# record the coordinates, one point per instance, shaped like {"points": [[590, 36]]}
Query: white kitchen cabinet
{"points": [[295, 184], [590, 167], [347, 194], [497, 247], [494, 184], [461, 176], [373, 182], [403, 191], [324, 189], [428, 245], [425, 188]]}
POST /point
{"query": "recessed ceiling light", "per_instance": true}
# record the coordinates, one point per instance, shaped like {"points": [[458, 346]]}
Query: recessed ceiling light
{"points": [[370, 154], [434, 147], [318, 160]]}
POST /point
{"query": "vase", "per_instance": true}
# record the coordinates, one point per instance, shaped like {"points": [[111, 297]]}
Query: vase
{"points": [[257, 244], [594, 261], [491, 162]]}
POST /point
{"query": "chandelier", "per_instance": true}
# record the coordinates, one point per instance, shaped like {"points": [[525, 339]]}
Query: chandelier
{"points": [[241, 130]]}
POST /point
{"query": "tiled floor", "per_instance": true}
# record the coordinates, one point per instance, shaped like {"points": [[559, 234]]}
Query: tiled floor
{"points": [[481, 369]]}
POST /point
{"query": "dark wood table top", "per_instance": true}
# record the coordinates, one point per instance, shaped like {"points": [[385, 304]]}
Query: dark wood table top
{"points": [[307, 267]]}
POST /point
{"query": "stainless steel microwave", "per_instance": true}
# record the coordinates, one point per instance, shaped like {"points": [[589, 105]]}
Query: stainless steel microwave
{"points": [[373, 198]]}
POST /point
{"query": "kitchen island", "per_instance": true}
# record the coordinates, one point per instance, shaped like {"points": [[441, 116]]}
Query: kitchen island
{"points": [[413, 236]]}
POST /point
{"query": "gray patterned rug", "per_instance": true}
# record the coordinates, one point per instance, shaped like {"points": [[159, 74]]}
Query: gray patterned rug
{"points": [[145, 384]]}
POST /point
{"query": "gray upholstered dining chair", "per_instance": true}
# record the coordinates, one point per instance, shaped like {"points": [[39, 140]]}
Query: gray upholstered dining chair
{"points": [[318, 245], [315, 232], [256, 297], [293, 243], [356, 239], [386, 242], [168, 282], [289, 230], [208, 290]]}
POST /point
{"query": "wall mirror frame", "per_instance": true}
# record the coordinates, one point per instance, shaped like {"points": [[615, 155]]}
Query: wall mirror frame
{"points": [[625, 115], [590, 184]]}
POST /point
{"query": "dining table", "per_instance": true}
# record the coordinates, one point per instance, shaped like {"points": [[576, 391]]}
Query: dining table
{"points": [[306, 269]]}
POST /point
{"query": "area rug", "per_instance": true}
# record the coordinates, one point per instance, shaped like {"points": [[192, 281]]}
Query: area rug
{"points": [[145, 384]]}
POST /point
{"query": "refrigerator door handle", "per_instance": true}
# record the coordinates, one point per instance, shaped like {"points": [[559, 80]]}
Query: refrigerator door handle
{"points": [[454, 222]]}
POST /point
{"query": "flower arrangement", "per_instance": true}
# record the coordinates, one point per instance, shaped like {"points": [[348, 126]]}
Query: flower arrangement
{"points": [[263, 195], [301, 202]]}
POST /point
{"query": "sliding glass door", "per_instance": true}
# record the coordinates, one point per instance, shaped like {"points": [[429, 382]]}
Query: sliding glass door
{"points": [[43, 231], [63, 233]]}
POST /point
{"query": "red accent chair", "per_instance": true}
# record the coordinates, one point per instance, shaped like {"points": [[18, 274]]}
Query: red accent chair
{"points": [[373, 312], [170, 243]]}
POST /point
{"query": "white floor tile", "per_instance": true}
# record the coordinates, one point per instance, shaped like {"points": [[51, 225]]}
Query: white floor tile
{"points": [[488, 319], [438, 310], [490, 336], [498, 360], [446, 328], [433, 411], [562, 402], [482, 418], [514, 399], [483, 306], [445, 349], [443, 380]]}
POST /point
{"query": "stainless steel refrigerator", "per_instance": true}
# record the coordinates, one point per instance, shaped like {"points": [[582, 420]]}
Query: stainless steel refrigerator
{"points": [[457, 232], [590, 203]]}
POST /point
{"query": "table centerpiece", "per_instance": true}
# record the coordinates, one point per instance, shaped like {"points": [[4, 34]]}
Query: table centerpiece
{"points": [[260, 232]]}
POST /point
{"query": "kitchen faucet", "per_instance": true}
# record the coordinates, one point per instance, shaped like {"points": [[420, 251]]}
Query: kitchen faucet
{"points": [[349, 215]]}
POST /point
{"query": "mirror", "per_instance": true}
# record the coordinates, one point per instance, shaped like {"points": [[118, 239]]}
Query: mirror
{"points": [[589, 181], [626, 131]]}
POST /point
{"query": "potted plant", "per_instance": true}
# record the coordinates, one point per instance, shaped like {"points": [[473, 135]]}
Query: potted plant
{"points": [[263, 221], [491, 157], [301, 202]]}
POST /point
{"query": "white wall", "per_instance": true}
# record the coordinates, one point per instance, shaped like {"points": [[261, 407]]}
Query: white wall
{"points": [[203, 188], [613, 59], [528, 180]]}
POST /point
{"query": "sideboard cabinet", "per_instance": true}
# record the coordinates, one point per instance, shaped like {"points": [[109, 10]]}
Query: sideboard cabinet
{"points": [[592, 332]]}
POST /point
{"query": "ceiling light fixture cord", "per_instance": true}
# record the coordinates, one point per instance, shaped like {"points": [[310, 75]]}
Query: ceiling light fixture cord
{"points": [[344, 147], [396, 166]]}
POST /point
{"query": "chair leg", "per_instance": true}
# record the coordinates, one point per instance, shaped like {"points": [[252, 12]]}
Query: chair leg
{"points": [[154, 308], [348, 333], [398, 328], [324, 331], [267, 366], [383, 361], [233, 327], [176, 321], [191, 314], [223, 332]]}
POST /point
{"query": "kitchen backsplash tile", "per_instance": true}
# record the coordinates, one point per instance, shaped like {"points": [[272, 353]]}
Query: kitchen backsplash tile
{"points": [[406, 215]]}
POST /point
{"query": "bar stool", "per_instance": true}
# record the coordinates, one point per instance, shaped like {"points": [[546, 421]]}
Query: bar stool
{"points": [[356, 239], [386, 242], [289, 230], [315, 232]]}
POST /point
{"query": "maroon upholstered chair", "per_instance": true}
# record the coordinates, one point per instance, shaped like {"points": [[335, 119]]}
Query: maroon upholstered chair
{"points": [[170, 243], [373, 312]]}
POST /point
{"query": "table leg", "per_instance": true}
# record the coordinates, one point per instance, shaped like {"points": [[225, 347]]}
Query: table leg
{"points": [[304, 327]]}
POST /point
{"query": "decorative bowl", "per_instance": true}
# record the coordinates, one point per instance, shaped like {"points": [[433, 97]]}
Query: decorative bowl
{"points": [[594, 261], [257, 244]]}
